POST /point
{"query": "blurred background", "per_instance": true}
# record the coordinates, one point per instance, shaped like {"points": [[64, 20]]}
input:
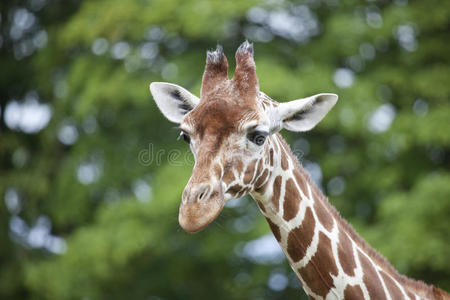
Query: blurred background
{"points": [[91, 174]]}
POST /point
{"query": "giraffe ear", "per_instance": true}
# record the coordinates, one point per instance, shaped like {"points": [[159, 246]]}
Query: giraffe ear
{"points": [[173, 100], [302, 114]]}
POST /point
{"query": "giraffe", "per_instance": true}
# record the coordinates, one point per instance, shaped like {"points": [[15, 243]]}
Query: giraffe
{"points": [[232, 130]]}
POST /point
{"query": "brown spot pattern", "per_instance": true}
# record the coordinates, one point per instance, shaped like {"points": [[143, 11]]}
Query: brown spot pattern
{"points": [[317, 273], [300, 237], [249, 172], [235, 189], [263, 188], [276, 193], [217, 118], [243, 192], [324, 216], [228, 177], [271, 157], [258, 170], [392, 288], [345, 253], [275, 229], [353, 292], [261, 179], [284, 161], [291, 200], [371, 279], [239, 166], [261, 206], [301, 181]]}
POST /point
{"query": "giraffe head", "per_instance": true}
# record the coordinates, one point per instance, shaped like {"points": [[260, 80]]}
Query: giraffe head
{"points": [[228, 129]]}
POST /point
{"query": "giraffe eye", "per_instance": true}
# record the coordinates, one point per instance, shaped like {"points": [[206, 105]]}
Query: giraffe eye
{"points": [[258, 137], [183, 135]]}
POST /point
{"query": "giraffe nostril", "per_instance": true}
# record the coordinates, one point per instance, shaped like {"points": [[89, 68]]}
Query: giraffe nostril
{"points": [[202, 192]]}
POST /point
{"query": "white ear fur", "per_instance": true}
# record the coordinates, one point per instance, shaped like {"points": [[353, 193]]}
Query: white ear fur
{"points": [[302, 114], [173, 100]]}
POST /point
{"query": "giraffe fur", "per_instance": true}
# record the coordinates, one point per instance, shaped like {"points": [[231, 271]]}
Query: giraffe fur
{"points": [[232, 130]]}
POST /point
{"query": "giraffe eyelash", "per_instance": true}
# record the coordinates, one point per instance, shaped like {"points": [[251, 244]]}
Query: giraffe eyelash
{"points": [[183, 135]]}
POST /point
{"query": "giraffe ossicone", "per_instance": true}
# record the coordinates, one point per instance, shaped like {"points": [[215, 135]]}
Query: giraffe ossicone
{"points": [[232, 130]]}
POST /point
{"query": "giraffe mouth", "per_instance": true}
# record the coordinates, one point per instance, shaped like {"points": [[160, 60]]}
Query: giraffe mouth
{"points": [[198, 211]]}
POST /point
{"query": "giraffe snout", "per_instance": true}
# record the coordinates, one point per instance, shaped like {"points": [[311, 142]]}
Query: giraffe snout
{"points": [[196, 193], [201, 204]]}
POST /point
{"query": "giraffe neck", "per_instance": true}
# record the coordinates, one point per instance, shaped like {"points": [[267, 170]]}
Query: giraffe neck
{"points": [[329, 258]]}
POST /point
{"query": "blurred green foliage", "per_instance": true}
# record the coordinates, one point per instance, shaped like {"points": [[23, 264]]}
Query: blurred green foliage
{"points": [[89, 201]]}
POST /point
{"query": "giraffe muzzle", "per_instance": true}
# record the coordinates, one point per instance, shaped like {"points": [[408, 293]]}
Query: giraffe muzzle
{"points": [[196, 193], [200, 205]]}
